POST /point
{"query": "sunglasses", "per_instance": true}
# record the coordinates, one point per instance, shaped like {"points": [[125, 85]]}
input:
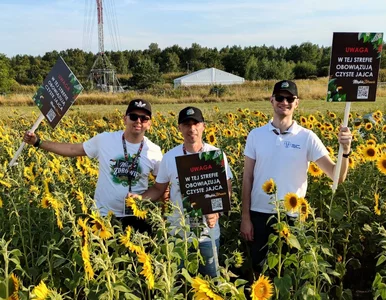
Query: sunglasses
{"points": [[290, 99], [135, 117]]}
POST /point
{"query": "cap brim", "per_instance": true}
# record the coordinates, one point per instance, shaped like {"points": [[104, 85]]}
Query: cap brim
{"points": [[139, 108], [190, 118]]}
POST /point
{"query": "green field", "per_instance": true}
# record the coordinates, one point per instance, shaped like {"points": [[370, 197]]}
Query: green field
{"points": [[305, 107]]}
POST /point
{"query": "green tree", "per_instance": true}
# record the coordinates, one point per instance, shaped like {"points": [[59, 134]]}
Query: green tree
{"points": [[5, 74], [303, 70], [252, 69], [145, 74], [170, 62]]}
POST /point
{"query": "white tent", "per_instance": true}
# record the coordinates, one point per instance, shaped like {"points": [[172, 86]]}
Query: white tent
{"points": [[208, 77]]}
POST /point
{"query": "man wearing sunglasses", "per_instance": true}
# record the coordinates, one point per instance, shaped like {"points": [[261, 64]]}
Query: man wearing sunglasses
{"points": [[280, 150], [126, 159]]}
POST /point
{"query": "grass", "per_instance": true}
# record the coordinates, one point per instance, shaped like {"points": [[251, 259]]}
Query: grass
{"points": [[164, 98], [305, 107]]}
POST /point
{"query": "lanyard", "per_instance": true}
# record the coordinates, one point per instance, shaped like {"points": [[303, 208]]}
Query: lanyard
{"points": [[185, 152], [134, 160]]}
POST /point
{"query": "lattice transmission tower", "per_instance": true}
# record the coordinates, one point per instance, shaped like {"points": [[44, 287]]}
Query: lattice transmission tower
{"points": [[103, 75]]}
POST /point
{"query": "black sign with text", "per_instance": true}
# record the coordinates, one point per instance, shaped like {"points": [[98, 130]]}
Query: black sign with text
{"points": [[57, 93], [203, 182], [354, 66]]}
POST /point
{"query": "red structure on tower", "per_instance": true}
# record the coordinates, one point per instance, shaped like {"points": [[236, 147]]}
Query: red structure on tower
{"points": [[102, 75]]}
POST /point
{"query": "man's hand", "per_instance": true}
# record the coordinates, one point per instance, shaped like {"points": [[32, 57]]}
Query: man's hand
{"points": [[345, 138], [30, 138], [211, 219], [246, 229]]}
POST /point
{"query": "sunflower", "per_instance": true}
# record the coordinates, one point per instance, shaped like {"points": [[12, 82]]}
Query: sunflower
{"points": [[303, 120], [330, 151], [262, 289], [227, 133], [368, 126], [311, 118], [291, 202], [1, 203], [351, 162], [370, 153], [314, 170], [211, 138], [269, 187], [6, 184], [332, 115], [40, 291], [131, 202], [80, 198], [382, 148], [285, 232], [371, 142], [86, 261], [238, 258], [381, 164], [304, 209], [377, 210], [147, 270], [99, 228], [202, 290], [377, 115], [125, 239], [16, 286]]}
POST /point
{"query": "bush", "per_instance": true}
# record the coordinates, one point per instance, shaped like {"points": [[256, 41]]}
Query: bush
{"points": [[218, 90]]}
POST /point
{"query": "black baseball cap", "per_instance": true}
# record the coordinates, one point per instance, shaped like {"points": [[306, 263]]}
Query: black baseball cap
{"points": [[139, 104], [192, 113], [286, 85]]}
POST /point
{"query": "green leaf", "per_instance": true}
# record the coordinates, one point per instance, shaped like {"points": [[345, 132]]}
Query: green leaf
{"points": [[122, 287], [272, 260], [325, 275], [377, 281], [326, 250], [381, 260], [293, 241], [284, 285], [41, 260], [337, 213]]}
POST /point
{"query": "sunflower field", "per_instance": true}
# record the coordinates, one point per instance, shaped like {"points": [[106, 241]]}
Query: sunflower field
{"points": [[55, 245]]}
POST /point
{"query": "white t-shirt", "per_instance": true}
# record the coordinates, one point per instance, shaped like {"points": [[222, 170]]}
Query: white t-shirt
{"points": [[284, 158], [168, 173], [112, 186]]}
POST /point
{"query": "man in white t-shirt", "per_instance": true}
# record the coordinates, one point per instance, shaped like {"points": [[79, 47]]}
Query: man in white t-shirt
{"points": [[191, 125], [280, 150], [126, 159]]}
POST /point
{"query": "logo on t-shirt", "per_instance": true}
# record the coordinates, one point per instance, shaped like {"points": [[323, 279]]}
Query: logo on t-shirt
{"points": [[288, 144], [125, 172]]}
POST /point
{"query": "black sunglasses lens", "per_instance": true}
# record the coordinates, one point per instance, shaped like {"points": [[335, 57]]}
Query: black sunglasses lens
{"points": [[290, 99], [134, 117]]}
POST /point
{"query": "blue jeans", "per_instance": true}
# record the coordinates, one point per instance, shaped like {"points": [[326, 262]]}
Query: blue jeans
{"points": [[207, 253]]}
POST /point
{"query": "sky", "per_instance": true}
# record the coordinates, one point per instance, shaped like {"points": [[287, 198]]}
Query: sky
{"points": [[35, 27]]}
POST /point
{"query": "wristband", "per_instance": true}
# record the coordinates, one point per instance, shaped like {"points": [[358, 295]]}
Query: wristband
{"points": [[346, 155], [38, 142]]}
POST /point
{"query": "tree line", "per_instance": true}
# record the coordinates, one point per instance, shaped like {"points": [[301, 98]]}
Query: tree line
{"points": [[307, 60]]}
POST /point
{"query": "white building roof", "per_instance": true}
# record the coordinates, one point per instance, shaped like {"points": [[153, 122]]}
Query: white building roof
{"points": [[208, 77]]}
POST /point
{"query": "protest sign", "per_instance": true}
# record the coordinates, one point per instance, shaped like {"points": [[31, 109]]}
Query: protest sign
{"points": [[54, 97], [354, 66], [57, 93], [203, 182]]}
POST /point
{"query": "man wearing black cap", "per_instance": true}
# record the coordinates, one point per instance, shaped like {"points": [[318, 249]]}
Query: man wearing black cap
{"points": [[191, 125], [126, 159], [280, 150]]}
